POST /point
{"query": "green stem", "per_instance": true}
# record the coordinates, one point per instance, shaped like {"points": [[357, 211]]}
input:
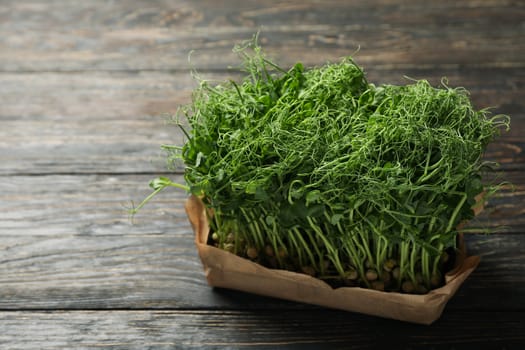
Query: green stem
{"points": [[304, 246], [437, 259], [425, 267], [456, 210], [158, 185], [403, 261], [413, 262]]}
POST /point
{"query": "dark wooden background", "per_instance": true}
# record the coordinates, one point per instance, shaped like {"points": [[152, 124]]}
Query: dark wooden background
{"points": [[83, 86]]}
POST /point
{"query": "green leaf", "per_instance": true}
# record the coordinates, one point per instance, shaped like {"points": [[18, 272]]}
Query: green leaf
{"points": [[334, 220], [159, 183], [251, 188], [313, 197]]}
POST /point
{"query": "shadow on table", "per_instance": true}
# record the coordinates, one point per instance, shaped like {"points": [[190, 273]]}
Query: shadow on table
{"points": [[270, 322]]}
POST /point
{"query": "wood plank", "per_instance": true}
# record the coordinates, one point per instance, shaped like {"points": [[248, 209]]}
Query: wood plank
{"points": [[261, 329], [88, 205], [96, 205], [144, 272], [64, 246], [110, 122], [143, 35], [102, 272], [505, 211], [85, 123], [81, 87], [102, 95]]}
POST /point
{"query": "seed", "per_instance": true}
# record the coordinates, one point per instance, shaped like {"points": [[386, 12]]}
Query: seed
{"points": [[351, 274], [268, 250], [308, 270], [230, 238], [229, 247], [378, 285], [396, 272], [435, 280], [251, 252], [408, 287], [386, 277], [421, 289], [371, 275], [283, 253], [215, 236], [444, 257], [389, 265]]}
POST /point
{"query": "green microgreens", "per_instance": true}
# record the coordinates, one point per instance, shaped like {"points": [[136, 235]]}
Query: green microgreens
{"points": [[316, 170]]}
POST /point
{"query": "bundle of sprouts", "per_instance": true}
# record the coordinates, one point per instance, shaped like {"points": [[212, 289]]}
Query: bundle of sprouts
{"points": [[318, 171]]}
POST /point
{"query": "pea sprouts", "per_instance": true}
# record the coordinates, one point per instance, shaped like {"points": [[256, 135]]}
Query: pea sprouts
{"points": [[319, 171]]}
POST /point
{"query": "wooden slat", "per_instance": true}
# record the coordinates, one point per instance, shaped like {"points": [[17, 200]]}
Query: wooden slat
{"points": [[81, 88], [66, 242], [107, 122], [88, 123], [141, 272], [87, 206], [102, 95], [96, 205], [259, 329], [504, 212], [97, 35]]}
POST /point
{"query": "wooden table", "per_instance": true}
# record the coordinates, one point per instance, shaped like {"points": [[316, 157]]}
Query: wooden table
{"points": [[83, 86]]}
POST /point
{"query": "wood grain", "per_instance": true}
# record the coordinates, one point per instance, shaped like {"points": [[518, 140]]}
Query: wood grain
{"points": [[106, 270], [97, 205], [87, 205], [258, 329], [143, 35], [83, 86], [112, 122], [68, 243]]}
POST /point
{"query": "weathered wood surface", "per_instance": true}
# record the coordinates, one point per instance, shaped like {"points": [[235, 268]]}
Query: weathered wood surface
{"points": [[97, 205], [253, 329], [114, 122], [163, 271], [146, 35], [83, 87]]}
